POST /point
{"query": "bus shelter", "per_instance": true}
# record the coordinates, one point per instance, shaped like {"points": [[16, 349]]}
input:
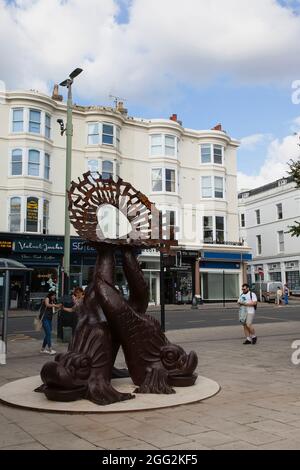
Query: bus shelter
{"points": [[6, 267]]}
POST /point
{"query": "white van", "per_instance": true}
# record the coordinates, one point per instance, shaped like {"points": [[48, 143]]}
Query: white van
{"points": [[268, 290]]}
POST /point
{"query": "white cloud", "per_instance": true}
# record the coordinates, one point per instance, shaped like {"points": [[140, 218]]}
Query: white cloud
{"points": [[165, 43], [275, 166], [250, 142]]}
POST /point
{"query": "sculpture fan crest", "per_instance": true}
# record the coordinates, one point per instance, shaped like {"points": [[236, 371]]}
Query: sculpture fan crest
{"points": [[146, 227]]}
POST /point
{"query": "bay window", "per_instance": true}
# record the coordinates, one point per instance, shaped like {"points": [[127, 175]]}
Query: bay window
{"points": [[28, 214], [164, 179], [103, 133], [105, 168], [211, 153], [212, 187], [31, 120], [213, 229], [163, 145]]}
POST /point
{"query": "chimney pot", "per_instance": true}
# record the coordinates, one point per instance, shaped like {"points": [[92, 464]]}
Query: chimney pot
{"points": [[218, 127]]}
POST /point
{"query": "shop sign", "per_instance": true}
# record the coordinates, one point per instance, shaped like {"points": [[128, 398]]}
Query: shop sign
{"points": [[81, 247], [150, 251], [189, 253], [38, 246], [6, 244]]}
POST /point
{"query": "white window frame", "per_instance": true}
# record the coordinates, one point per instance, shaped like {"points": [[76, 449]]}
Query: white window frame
{"points": [[35, 122], [163, 174], [48, 128], [47, 168], [209, 228], [224, 228], [17, 108], [175, 209], [115, 135], [223, 187], [163, 145], [36, 164], [279, 209], [214, 227], [10, 213], [45, 219], [11, 162], [99, 165], [280, 241], [212, 158], [212, 187]]}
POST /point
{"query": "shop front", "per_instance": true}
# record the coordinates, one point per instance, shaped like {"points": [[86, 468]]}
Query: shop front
{"points": [[222, 274]]}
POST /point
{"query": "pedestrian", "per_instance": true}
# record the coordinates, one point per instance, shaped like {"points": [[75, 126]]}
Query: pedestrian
{"points": [[46, 314], [248, 303], [278, 299], [77, 298], [286, 293]]}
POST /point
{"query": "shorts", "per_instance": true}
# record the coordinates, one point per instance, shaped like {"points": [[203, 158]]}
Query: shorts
{"points": [[250, 318]]}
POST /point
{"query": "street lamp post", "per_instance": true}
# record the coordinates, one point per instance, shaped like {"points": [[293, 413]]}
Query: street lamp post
{"points": [[69, 133]]}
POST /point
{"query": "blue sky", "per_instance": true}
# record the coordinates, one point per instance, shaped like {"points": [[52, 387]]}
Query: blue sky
{"points": [[227, 61]]}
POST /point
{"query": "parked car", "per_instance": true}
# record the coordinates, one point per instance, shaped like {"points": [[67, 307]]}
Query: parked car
{"points": [[295, 290], [268, 290]]}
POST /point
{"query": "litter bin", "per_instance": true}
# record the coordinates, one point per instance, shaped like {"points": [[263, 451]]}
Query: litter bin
{"points": [[197, 300]]}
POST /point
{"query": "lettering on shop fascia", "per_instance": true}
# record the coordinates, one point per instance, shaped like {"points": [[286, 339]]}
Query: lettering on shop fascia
{"points": [[150, 251], [49, 257], [39, 246], [82, 246]]}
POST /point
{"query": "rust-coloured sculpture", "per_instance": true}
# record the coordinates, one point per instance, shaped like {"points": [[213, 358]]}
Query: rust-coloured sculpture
{"points": [[155, 365]]}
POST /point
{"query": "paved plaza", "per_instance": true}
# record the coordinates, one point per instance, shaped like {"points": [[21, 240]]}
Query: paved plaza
{"points": [[258, 406]]}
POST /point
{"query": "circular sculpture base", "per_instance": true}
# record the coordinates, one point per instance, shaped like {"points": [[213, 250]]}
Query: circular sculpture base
{"points": [[20, 394]]}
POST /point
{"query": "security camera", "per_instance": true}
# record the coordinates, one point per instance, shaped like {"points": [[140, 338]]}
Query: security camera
{"points": [[62, 127]]}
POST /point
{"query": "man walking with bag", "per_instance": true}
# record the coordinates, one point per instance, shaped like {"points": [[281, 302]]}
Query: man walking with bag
{"points": [[248, 302]]}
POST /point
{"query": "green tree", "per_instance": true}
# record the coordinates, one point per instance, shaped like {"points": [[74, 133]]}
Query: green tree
{"points": [[294, 172]]}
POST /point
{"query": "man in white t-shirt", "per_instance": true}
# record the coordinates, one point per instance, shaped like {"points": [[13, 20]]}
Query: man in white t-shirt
{"points": [[249, 300]]}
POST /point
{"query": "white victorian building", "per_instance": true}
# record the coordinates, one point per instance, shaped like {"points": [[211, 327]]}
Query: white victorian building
{"points": [[265, 214], [190, 174]]}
